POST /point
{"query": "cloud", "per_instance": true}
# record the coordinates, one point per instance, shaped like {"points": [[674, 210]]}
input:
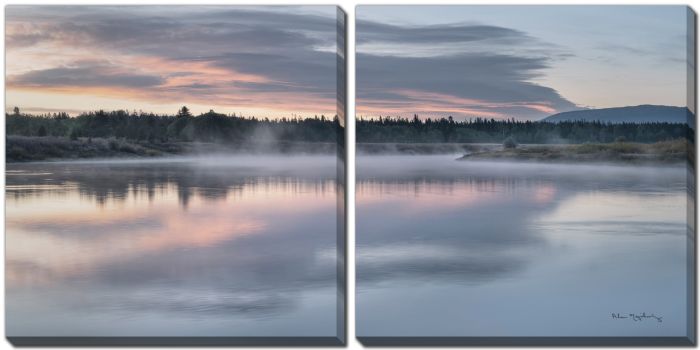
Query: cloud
{"points": [[86, 74], [142, 28], [474, 79], [234, 54], [368, 31], [307, 72], [488, 83]]}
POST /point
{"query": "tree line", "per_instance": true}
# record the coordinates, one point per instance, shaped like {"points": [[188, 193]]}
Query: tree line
{"points": [[182, 126], [222, 128], [416, 130]]}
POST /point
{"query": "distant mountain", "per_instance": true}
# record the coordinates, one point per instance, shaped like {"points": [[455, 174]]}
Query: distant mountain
{"points": [[631, 114]]}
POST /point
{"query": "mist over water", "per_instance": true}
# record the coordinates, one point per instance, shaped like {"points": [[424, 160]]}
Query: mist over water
{"points": [[447, 165], [208, 246], [459, 248]]}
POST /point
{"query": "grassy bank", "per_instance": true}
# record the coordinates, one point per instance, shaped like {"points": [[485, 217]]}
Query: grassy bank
{"points": [[675, 151], [417, 148], [34, 148], [27, 148]]}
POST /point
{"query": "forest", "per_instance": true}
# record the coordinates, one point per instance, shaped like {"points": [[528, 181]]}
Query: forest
{"points": [[481, 130], [230, 129], [182, 126]]}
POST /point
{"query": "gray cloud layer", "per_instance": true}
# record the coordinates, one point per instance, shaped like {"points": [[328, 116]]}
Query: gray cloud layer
{"points": [[368, 31], [87, 74], [496, 67], [294, 51]]}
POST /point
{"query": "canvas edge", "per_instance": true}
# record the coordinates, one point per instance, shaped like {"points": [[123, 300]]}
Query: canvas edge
{"points": [[341, 174], [691, 183], [527, 341], [175, 341]]}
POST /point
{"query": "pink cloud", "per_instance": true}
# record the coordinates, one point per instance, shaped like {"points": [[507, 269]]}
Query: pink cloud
{"points": [[425, 102]]}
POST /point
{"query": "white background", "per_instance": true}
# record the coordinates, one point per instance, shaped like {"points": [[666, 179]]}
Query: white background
{"points": [[349, 7]]}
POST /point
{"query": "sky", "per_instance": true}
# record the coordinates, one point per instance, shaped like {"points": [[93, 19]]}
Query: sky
{"points": [[522, 62], [269, 61]]}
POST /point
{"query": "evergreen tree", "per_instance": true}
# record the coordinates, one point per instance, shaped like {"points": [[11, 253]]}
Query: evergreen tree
{"points": [[184, 112]]}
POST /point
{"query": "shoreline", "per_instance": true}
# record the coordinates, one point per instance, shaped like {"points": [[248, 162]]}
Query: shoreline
{"points": [[673, 152], [628, 153], [23, 149]]}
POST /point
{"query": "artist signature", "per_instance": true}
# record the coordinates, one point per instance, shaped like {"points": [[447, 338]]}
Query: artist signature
{"points": [[637, 317]]}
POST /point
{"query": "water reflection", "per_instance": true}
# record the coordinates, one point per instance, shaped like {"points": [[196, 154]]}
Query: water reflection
{"points": [[476, 248], [240, 247]]}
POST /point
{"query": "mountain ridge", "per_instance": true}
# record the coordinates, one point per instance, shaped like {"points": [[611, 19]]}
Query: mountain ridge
{"points": [[629, 114]]}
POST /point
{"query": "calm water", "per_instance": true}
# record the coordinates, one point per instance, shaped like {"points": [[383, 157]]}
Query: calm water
{"points": [[219, 246], [447, 248]]}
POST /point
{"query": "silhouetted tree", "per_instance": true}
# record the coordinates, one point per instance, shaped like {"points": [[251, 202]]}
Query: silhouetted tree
{"points": [[184, 112]]}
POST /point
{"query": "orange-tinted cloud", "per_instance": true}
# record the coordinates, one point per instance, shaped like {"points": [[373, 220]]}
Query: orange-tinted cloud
{"points": [[415, 101], [224, 58]]}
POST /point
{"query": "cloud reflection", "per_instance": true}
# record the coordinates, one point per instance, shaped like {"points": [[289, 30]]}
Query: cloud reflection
{"points": [[248, 241], [472, 222]]}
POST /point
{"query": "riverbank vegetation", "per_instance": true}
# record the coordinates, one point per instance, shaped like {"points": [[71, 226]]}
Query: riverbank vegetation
{"points": [[673, 151], [138, 134], [35, 148], [105, 134]]}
